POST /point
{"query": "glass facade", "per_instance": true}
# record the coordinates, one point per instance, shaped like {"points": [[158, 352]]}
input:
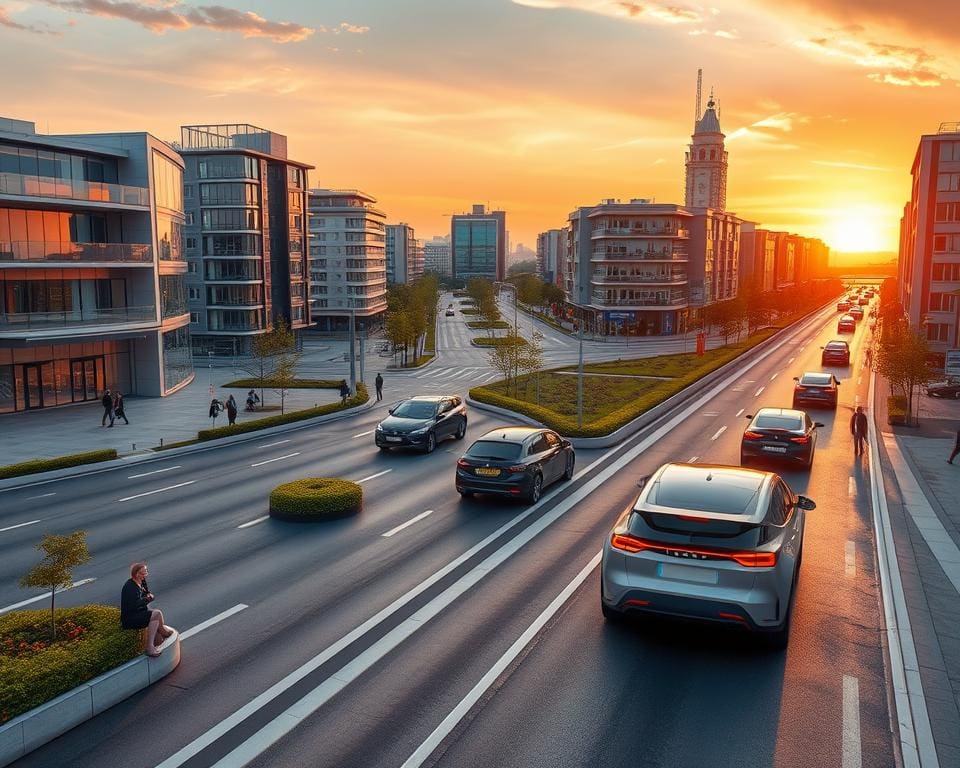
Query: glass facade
{"points": [[230, 193], [173, 295], [229, 167], [177, 357], [230, 218], [475, 254], [67, 166], [170, 237], [167, 183]]}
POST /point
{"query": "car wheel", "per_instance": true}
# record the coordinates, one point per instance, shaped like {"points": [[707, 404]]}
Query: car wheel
{"points": [[536, 488], [384, 448], [462, 430], [571, 460], [611, 614], [808, 463], [465, 494], [956, 395], [431, 443]]}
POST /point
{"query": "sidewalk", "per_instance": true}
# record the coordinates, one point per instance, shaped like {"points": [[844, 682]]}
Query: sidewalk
{"points": [[923, 497]]}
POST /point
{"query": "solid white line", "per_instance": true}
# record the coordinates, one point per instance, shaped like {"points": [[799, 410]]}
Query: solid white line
{"points": [[278, 458], [851, 487], [738, 414], [774, 376], [271, 445], [376, 475], [859, 380], [407, 524], [719, 432], [155, 472], [45, 595], [692, 460], [757, 393], [210, 622], [850, 559], [364, 434], [18, 525], [852, 755], [791, 360], [41, 496], [423, 752], [803, 347], [159, 490], [254, 522]]}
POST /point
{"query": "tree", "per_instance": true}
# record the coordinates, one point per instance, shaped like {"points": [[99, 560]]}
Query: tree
{"points": [[397, 330], [61, 554], [525, 265], [502, 357], [531, 358], [903, 358], [267, 351]]}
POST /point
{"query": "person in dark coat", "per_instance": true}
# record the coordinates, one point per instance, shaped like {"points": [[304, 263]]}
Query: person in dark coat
{"points": [[956, 449], [107, 402], [134, 614], [858, 428], [344, 392], [118, 407], [231, 410], [379, 382]]}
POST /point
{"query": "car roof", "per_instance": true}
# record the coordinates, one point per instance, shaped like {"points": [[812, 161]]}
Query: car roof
{"points": [[837, 343], [846, 317], [739, 494], [816, 377], [511, 434], [431, 398]]}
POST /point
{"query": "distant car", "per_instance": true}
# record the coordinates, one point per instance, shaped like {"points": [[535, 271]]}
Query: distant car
{"points": [[843, 306], [846, 324], [422, 422], [713, 543], [515, 461], [856, 313], [948, 388], [863, 300], [779, 434], [451, 312], [836, 352], [868, 293], [817, 388]]}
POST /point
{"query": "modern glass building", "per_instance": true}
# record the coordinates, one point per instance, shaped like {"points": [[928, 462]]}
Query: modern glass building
{"points": [[478, 244], [92, 268]]}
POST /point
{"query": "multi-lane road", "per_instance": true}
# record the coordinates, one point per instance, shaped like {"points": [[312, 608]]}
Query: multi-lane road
{"points": [[434, 630]]}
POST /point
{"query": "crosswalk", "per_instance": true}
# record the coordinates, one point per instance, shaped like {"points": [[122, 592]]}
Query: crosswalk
{"points": [[441, 376]]}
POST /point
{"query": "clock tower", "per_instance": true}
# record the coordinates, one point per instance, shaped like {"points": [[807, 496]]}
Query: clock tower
{"points": [[707, 163]]}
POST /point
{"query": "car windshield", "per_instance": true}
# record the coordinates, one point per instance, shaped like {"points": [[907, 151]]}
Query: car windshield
{"points": [[494, 449], [771, 421], [815, 379], [415, 409]]}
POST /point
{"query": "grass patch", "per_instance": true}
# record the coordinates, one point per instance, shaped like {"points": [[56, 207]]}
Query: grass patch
{"points": [[487, 324], [469, 311], [60, 462], [293, 384]]}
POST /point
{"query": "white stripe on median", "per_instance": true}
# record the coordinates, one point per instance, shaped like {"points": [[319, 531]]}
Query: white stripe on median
{"points": [[210, 622], [18, 525], [363, 434], [271, 445], [407, 524], [158, 490], [278, 458], [45, 595], [254, 522], [371, 477]]}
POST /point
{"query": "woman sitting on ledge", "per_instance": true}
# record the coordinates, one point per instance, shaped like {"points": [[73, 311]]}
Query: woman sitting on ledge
{"points": [[134, 613]]}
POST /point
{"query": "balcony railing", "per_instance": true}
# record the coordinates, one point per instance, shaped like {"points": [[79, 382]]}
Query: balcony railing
{"points": [[603, 278], [604, 302], [41, 251], [82, 317], [92, 191], [648, 255], [639, 232]]}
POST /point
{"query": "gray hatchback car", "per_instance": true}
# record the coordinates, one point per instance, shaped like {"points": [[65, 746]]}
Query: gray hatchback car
{"points": [[709, 542]]}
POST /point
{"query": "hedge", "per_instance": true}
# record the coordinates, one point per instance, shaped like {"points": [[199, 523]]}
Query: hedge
{"points": [[315, 498], [287, 418], [469, 311], [30, 680], [497, 341], [60, 462], [482, 324], [292, 384]]}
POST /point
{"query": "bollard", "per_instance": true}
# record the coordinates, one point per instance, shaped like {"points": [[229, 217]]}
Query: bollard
{"points": [[133, 446], [161, 442]]}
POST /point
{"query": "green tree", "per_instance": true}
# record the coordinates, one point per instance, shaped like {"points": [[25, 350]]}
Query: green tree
{"points": [[525, 265], [61, 554], [903, 358], [531, 358], [268, 350]]}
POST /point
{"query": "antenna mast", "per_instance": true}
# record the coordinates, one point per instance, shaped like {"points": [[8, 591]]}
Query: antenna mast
{"points": [[696, 115]]}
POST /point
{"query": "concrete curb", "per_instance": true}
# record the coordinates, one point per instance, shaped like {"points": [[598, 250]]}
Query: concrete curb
{"points": [[400, 369], [43, 724]]}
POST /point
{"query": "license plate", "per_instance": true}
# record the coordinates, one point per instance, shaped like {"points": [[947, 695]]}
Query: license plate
{"points": [[688, 573], [392, 439], [487, 471], [775, 448]]}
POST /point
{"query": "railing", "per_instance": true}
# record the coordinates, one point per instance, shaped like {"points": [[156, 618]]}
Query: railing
{"points": [[600, 301], [649, 255], [40, 251], [94, 191], [640, 231], [81, 317], [602, 278]]}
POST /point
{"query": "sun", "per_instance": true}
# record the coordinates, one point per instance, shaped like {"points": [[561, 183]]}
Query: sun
{"points": [[855, 232]]}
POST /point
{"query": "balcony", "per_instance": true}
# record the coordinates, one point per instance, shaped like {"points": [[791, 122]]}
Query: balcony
{"points": [[665, 279], [39, 251], [640, 232], [600, 301], [18, 321], [65, 189], [664, 254]]}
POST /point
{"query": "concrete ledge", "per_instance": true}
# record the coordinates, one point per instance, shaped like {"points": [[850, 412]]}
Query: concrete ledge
{"points": [[43, 724]]}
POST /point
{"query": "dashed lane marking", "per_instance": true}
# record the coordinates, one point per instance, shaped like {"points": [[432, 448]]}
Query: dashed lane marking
{"points": [[41, 496], [364, 434], [213, 620], [774, 376], [693, 459], [851, 757], [18, 525], [411, 521], [371, 477], [155, 472], [278, 458], [758, 392], [271, 445], [254, 522], [738, 414], [719, 432], [850, 559], [158, 490]]}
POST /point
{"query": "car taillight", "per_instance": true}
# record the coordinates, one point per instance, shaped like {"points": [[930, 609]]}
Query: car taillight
{"points": [[627, 543], [755, 559], [749, 435], [802, 439], [463, 463]]}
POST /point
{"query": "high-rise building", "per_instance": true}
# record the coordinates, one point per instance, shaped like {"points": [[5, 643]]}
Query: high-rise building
{"points": [[404, 254], [246, 235], [92, 289], [478, 244], [348, 274], [929, 266], [436, 256], [706, 163], [550, 255]]}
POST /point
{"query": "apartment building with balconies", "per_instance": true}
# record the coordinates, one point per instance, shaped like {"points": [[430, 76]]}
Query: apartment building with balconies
{"points": [[551, 246], [436, 256], [404, 253], [773, 260], [245, 235], [92, 268], [348, 272]]}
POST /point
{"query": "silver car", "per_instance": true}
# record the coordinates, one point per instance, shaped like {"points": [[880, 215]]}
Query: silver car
{"points": [[709, 542]]}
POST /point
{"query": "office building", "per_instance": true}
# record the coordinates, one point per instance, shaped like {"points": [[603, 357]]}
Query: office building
{"points": [[550, 255], [92, 268], [929, 266], [404, 253], [245, 235], [348, 274], [436, 256], [775, 260], [478, 244]]}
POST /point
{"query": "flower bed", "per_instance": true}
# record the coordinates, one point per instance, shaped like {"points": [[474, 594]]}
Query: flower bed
{"points": [[315, 498]]}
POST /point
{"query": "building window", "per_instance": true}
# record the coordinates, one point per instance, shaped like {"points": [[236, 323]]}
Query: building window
{"points": [[188, 191], [938, 331], [167, 183], [189, 217], [191, 243], [173, 296], [194, 317], [948, 211], [194, 293], [948, 182], [177, 357], [946, 272], [192, 267], [949, 151]]}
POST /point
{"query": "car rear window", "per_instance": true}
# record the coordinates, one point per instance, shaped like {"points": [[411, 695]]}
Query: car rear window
{"points": [[815, 379], [778, 422], [838, 345], [494, 449], [730, 496]]}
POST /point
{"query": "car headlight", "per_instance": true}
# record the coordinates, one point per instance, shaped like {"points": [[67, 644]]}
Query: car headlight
{"points": [[379, 428]]}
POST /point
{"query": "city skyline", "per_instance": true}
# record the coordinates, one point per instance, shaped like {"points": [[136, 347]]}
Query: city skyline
{"points": [[547, 104]]}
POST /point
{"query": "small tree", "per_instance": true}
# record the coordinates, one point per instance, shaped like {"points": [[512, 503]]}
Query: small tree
{"points": [[61, 554], [266, 350], [531, 358], [285, 375], [903, 358]]}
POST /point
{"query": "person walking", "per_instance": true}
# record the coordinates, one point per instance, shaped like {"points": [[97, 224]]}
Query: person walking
{"points": [[118, 411], [956, 449], [379, 383], [107, 402], [344, 392], [231, 410], [134, 614], [858, 428], [215, 407]]}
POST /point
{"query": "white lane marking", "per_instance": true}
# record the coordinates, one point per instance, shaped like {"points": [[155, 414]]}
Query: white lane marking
{"points": [[758, 392], [693, 460], [719, 432], [45, 595], [774, 376], [407, 524], [738, 414], [271, 445], [851, 487], [423, 752], [791, 360], [803, 347], [859, 380], [711, 413], [364, 434], [850, 559], [18, 525], [211, 621], [254, 522], [155, 472], [371, 477], [851, 756], [41, 496], [158, 490], [278, 458]]}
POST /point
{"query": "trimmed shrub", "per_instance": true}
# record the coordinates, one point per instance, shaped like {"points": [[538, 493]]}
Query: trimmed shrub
{"points": [[486, 324], [469, 311], [60, 462], [292, 384], [896, 409], [497, 341], [32, 676], [315, 498]]}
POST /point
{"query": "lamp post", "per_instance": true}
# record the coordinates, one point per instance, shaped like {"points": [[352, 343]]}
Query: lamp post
{"points": [[353, 352]]}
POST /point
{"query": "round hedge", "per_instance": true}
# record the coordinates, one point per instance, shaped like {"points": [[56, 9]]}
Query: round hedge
{"points": [[315, 498]]}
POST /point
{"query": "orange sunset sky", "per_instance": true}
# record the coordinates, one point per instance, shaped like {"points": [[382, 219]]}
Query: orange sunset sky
{"points": [[534, 106]]}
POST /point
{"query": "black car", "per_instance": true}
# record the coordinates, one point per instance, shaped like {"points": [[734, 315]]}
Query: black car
{"points": [[515, 461], [836, 352], [944, 389], [817, 388], [422, 422], [779, 433]]}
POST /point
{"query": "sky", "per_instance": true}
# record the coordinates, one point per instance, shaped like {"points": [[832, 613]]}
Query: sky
{"points": [[535, 107]]}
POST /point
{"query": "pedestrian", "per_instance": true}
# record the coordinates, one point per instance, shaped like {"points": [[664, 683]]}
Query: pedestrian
{"points": [[215, 407], [107, 402], [858, 428], [344, 392], [134, 614], [118, 411], [379, 382], [252, 399], [956, 449], [231, 410]]}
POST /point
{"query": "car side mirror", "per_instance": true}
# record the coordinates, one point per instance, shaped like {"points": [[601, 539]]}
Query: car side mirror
{"points": [[804, 503], [796, 378], [748, 416], [818, 424]]}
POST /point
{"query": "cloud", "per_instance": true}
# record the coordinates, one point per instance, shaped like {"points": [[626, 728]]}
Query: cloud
{"points": [[9, 23], [892, 64], [646, 11], [353, 29], [159, 16], [854, 166]]}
